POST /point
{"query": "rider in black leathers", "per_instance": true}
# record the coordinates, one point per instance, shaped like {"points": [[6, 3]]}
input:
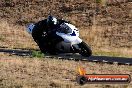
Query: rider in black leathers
{"points": [[44, 34]]}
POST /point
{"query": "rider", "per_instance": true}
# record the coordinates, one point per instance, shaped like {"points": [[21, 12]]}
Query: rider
{"points": [[44, 31]]}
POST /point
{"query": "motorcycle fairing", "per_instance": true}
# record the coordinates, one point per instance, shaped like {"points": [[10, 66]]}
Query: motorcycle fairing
{"points": [[69, 39], [72, 36]]}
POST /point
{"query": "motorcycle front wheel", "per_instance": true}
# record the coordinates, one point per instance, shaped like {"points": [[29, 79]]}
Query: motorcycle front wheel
{"points": [[85, 49]]}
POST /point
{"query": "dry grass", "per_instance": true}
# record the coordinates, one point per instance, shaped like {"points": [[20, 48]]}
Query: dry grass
{"points": [[44, 72], [108, 33], [108, 40], [14, 36]]}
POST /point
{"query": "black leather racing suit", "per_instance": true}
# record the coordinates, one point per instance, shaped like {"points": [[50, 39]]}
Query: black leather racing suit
{"points": [[45, 36]]}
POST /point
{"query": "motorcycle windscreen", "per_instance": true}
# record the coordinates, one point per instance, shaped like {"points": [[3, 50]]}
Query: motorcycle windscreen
{"points": [[64, 28]]}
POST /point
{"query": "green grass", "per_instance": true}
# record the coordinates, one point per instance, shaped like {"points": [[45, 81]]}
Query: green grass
{"points": [[98, 1], [37, 54]]}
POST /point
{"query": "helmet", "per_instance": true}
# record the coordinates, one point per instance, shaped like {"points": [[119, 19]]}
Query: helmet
{"points": [[30, 28], [51, 20]]}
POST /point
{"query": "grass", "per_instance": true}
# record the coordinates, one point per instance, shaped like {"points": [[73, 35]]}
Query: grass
{"points": [[37, 54], [111, 54], [110, 36], [106, 33], [40, 73], [15, 36], [2, 38]]}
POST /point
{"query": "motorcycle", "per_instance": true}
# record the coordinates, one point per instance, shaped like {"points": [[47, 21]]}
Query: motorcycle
{"points": [[72, 43]]}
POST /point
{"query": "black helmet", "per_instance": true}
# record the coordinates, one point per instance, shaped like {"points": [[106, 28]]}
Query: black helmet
{"points": [[51, 20]]}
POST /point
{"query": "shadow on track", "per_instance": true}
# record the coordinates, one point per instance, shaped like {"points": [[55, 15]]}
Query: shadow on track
{"points": [[104, 59]]}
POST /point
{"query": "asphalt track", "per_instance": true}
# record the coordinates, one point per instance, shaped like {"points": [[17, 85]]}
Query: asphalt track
{"points": [[76, 57]]}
